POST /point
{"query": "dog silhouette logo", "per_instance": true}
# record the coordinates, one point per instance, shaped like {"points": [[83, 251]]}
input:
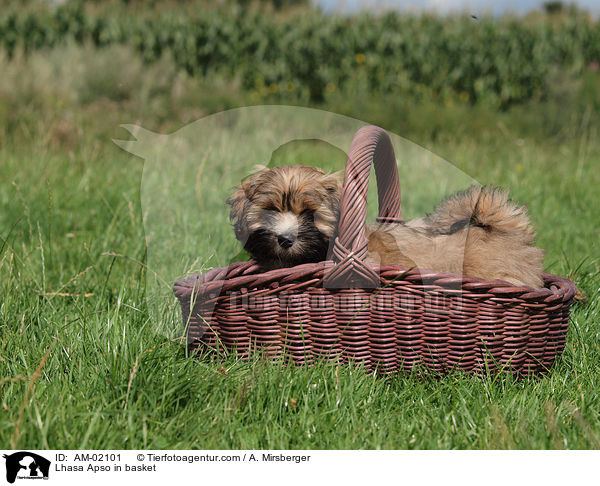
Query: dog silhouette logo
{"points": [[26, 465]]}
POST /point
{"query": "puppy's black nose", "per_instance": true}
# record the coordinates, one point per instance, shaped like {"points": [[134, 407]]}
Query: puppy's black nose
{"points": [[286, 241]]}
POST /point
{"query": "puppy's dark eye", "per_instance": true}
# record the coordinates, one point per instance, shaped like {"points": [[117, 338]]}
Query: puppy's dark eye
{"points": [[307, 213]]}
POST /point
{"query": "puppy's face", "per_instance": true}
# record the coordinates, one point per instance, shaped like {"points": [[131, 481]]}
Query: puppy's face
{"points": [[286, 216]]}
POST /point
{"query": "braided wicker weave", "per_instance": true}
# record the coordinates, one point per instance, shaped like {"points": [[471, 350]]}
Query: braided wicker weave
{"points": [[385, 317]]}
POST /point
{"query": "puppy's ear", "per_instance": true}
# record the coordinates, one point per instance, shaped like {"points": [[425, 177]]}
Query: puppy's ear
{"points": [[256, 168], [240, 204], [327, 216]]}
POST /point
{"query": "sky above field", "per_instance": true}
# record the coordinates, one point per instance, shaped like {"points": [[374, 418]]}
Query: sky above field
{"points": [[445, 6]]}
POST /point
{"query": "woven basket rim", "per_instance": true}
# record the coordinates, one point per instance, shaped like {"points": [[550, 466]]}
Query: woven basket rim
{"points": [[247, 276]]}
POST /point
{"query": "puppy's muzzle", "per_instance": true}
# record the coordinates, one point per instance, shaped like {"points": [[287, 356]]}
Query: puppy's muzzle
{"points": [[286, 240], [286, 228]]}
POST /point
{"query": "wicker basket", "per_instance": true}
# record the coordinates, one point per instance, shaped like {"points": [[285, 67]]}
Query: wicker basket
{"points": [[385, 317]]}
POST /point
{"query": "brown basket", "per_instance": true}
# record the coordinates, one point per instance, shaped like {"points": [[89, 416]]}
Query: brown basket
{"points": [[385, 317]]}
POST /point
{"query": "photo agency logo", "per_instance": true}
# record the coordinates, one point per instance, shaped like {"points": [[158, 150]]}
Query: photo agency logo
{"points": [[197, 219], [26, 465]]}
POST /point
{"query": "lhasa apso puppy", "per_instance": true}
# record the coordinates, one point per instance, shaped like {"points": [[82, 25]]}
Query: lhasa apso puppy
{"points": [[285, 216]]}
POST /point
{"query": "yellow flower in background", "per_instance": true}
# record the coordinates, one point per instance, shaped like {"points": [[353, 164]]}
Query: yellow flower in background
{"points": [[289, 86], [330, 87], [273, 88], [360, 58]]}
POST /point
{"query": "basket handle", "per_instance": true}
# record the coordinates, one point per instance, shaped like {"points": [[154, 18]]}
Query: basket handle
{"points": [[371, 145]]}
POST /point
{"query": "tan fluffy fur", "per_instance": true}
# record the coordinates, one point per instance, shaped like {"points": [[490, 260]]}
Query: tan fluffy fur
{"points": [[478, 232]]}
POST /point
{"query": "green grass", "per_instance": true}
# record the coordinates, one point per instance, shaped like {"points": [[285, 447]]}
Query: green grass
{"points": [[81, 362]]}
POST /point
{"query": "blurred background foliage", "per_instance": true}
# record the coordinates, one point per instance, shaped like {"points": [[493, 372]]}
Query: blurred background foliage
{"points": [[288, 50]]}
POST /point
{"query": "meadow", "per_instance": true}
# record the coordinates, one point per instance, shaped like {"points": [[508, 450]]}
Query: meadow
{"points": [[81, 362]]}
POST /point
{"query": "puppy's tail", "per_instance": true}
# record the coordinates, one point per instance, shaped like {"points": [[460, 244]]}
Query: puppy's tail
{"points": [[483, 207]]}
